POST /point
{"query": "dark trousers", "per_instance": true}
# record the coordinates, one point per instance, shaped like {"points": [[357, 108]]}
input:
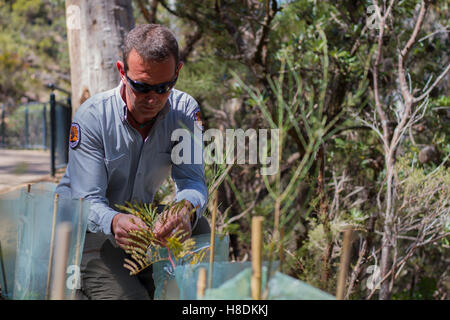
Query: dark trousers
{"points": [[103, 276]]}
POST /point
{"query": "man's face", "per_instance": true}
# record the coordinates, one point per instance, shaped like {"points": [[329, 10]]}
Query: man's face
{"points": [[145, 106]]}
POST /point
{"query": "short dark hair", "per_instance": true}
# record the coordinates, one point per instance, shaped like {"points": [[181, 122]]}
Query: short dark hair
{"points": [[153, 42]]}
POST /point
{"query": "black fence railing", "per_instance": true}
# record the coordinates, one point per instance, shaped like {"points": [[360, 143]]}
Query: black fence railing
{"points": [[26, 127], [37, 125], [60, 121]]}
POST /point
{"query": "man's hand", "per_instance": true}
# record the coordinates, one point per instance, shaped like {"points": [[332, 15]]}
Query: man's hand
{"points": [[173, 220], [121, 224]]}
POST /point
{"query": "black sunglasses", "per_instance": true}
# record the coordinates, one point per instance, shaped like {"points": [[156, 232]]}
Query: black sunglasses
{"points": [[160, 88]]}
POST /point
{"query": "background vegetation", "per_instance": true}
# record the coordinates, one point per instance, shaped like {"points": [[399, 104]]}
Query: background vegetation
{"points": [[363, 121]]}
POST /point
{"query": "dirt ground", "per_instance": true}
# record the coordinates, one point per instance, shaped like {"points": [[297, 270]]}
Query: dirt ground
{"points": [[21, 167]]}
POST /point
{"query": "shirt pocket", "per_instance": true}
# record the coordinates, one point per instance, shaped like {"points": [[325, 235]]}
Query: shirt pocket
{"points": [[118, 171]]}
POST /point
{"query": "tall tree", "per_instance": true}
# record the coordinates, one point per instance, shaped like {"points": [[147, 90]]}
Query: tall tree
{"points": [[95, 30], [33, 50]]}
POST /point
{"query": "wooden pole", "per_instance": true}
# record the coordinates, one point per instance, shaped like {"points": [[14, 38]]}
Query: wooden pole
{"points": [[213, 238], [344, 263], [256, 257], [52, 242], [28, 188], [201, 283], [3, 271], [77, 248], [281, 248], [61, 254]]}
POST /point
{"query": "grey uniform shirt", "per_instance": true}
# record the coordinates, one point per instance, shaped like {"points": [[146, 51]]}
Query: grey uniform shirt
{"points": [[110, 163]]}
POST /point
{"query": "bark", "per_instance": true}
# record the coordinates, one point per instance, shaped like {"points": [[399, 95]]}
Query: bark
{"points": [[95, 31], [191, 40], [149, 14]]}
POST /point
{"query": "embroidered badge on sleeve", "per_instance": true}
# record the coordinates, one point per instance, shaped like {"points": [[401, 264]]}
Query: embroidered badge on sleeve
{"points": [[198, 119], [74, 138]]}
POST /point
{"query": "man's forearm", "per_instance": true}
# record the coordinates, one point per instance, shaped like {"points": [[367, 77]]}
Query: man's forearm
{"points": [[196, 198], [100, 218]]}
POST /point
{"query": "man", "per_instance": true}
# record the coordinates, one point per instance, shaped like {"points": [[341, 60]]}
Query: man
{"points": [[120, 150]]}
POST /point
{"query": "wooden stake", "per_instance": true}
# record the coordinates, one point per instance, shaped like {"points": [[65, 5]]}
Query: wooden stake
{"points": [[3, 270], [28, 188], [344, 263], [201, 283], [256, 257], [213, 237], [52, 242], [281, 248], [77, 248], [61, 254]]}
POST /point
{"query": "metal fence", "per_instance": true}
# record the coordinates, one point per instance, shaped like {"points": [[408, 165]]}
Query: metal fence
{"points": [[60, 120], [38, 126], [26, 127]]}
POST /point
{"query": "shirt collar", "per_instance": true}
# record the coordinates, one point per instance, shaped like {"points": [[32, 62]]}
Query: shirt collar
{"points": [[121, 105]]}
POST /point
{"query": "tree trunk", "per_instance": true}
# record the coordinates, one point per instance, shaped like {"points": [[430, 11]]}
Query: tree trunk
{"points": [[385, 261], [385, 293], [95, 31]]}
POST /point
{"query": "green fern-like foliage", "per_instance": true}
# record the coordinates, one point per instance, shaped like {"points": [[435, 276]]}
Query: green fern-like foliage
{"points": [[146, 248]]}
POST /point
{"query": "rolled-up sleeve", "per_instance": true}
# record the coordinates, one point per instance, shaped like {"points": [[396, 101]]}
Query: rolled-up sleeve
{"points": [[190, 187], [190, 177], [87, 172]]}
